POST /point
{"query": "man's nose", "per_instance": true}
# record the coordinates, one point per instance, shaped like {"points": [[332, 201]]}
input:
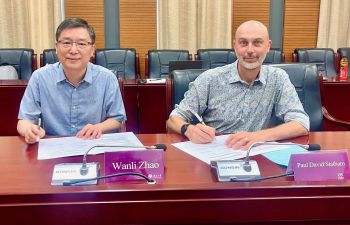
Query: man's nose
{"points": [[74, 48], [250, 47]]}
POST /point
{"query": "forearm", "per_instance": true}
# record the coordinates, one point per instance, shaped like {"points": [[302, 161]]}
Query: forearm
{"points": [[109, 125], [174, 124], [284, 131]]}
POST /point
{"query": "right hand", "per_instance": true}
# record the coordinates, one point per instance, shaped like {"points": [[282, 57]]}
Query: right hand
{"points": [[33, 134], [200, 134]]}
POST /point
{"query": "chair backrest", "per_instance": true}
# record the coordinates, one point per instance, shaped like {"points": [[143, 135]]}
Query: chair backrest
{"points": [[343, 53], [22, 59], [306, 81], [216, 57], [274, 56], [49, 56], [123, 62], [324, 58], [178, 85], [157, 61]]}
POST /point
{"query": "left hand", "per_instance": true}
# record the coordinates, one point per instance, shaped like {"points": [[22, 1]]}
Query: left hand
{"points": [[243, 140], [90, 131]]}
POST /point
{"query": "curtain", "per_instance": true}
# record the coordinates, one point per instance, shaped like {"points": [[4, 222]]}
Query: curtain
{"points": [[334, 24], [29, 23], [194, 24]]}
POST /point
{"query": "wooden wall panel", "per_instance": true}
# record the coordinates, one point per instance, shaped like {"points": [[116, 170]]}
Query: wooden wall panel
{"points": [[90, 10], [244, 10], [300, 25], [138, 26], [138, 21]]}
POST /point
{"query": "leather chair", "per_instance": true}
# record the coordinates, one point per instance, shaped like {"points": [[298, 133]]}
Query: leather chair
{"points": [[307, 83], [178, 85], [124, 62], [343, 53], [274, 56], [303, 76], [22, 59], [213, 57], [157, 61], [324, 58], [48, 56]]}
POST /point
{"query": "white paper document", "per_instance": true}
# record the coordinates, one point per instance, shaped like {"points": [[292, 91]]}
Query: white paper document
{"points": [[156, 81], [217, 150], [71, 146]]}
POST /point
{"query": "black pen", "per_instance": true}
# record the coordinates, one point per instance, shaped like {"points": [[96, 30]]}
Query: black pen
{"points": [[199, 118]]}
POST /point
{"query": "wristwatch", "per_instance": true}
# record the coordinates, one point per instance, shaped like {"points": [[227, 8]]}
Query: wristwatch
{"points": [[184, 128]]}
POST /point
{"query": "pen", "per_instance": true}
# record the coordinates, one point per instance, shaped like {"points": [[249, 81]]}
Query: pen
{"points": [[39, 123], [200, 119]]}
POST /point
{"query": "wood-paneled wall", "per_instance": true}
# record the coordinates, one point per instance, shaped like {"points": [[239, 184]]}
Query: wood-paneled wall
{"points": [[243, 10], [90, 10], [300, 25], [138, 21], [138, 26]]}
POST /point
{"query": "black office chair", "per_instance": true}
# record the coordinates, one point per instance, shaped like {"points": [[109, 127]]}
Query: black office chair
{"points": [[122, 61], [324, 58], [22, 59], [274, 56], [48, 56], [303, 76], [215, 57], [307, 83], [178, 85], [157, 61], [343, 53]]}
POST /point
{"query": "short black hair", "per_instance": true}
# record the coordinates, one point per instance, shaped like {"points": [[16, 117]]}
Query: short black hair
{"points": [[73, 23]]}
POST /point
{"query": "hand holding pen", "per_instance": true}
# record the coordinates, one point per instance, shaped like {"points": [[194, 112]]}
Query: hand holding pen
{"points": [[200, 132]]}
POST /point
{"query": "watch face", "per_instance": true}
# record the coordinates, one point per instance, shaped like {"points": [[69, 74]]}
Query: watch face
{"points": [[184, 128]]}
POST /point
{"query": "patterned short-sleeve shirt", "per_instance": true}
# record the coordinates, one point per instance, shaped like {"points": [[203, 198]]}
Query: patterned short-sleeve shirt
{"points": [[229, 104]]}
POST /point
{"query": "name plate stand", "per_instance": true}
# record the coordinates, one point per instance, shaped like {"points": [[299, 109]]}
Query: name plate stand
{"points": [[320, 166], [147, 162]]}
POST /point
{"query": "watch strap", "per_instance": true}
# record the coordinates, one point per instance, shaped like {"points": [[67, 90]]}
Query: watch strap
{"points": [[184, 128]]}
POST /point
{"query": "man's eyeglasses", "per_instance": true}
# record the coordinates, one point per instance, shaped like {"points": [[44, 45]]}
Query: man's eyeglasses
{"points": [[69, 44]]}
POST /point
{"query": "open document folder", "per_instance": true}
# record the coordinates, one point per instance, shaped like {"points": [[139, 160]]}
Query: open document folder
{"points": [[217, 150], [71, 146]]}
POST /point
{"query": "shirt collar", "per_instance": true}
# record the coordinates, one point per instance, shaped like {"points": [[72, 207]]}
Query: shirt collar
{"points": [[87, 78], [234, 78]]}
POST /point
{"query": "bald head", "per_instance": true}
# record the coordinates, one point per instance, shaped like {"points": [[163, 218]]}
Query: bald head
{"points": [[254, 27]]}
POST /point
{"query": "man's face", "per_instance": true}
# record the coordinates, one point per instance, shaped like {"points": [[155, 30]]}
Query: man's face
{"points": [[251, 45], [74, 48]]}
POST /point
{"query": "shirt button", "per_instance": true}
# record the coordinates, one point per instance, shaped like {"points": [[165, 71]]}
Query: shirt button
{"points": [[73, 126], [74, 107]]}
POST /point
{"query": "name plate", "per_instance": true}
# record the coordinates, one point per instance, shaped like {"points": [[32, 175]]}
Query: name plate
{"points": [[319, 166], [147, 162]]}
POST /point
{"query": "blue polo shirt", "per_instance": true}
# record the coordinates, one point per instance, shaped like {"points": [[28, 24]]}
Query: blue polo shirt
{"points": [[64, 108]]}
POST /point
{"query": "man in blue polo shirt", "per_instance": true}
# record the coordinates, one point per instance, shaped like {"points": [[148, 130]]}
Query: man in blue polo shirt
{"points": [[73, 96]]}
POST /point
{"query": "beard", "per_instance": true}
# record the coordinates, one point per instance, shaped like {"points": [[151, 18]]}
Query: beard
{"points": [[251, 66]]}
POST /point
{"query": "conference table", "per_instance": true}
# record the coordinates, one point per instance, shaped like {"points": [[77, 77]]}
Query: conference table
{"points": [[335, 94], [189, 194]]}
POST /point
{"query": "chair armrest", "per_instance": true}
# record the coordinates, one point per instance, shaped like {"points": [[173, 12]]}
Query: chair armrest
{"points": [[330, 118]]}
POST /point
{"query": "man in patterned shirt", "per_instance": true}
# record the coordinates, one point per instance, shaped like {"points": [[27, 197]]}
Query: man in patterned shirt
{"points": [[243, 98]]}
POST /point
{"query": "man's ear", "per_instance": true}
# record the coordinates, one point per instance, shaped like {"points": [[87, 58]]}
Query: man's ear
{"points": [[269, 44], [93, 50]]}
